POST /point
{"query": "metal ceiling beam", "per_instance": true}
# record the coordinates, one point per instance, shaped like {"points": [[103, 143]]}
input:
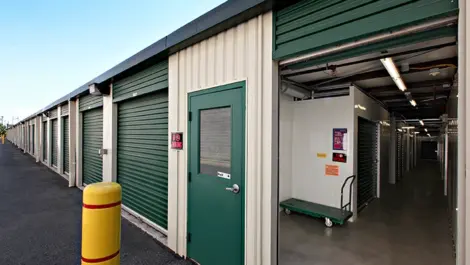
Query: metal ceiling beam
{"points": [[331, 66], [438, 85], [383, 73], [416, 96]]}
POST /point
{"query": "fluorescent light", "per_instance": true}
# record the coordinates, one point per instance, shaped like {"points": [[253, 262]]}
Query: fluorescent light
{"points": [[426, 130], [429, 135], [400, 130], [408, 127], [413, 102], [358, 106], [393, 72], [416, 132], [421, 121]]}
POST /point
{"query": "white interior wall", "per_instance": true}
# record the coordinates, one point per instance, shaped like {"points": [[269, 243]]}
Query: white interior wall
{"points": [[313, 123], [286, 125]]}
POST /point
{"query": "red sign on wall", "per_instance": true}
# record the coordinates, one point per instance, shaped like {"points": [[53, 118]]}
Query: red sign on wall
{"points": [[177, 140]]}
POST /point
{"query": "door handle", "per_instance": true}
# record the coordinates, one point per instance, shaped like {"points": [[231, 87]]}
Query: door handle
{"points": [[235, 188]]}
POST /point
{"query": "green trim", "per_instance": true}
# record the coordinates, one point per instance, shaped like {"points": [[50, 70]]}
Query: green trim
{"points": [[240, 84]]}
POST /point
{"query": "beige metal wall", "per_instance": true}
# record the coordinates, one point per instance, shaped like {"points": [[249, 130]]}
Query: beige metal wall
{"points": [[242, 53]]}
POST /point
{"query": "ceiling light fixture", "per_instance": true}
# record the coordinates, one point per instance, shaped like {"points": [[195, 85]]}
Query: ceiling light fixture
{"points": [[408, 127], [393, 72], [429, 135], [416, 132], [400, 130], [413, 102], [426, 130], [422, 122], [359, 106]]}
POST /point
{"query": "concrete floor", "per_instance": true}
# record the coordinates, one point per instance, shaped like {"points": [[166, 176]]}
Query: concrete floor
{"points": [[40, 219], [408, 225]]}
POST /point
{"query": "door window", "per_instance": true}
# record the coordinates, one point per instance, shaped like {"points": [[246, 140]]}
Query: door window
{"points": [[215, 142]]}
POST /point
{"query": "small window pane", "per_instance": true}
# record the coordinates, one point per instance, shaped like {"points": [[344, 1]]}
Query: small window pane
{"points": [[215, 140]]}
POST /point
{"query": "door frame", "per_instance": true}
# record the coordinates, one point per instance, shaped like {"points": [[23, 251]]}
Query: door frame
{"points": [[236, 85]]}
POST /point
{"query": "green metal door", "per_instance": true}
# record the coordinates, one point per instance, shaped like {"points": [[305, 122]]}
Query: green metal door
{"points": [[44, 141], [399, 157], [142, 155], [92, 142], [33, 151], [216, 185], [65, 143], [54, 142], [366, 162]]}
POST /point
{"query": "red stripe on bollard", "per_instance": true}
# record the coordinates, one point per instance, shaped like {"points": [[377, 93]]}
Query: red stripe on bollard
{"points": [[100, 259], [103, 206]]}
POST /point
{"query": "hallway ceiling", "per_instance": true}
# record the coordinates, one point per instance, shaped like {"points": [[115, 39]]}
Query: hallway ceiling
{"points": [[431, 92]]}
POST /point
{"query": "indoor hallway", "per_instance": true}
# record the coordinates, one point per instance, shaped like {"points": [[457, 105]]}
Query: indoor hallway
{"points": [[408, 225]]}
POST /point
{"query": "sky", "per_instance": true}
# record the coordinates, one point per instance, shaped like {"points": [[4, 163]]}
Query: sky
{"points": [[50, 47]]}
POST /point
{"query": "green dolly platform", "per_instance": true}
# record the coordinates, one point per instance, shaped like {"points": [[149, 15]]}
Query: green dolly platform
{"points": [[331, 214]]}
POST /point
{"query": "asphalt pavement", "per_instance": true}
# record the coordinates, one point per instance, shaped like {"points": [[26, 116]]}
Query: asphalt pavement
{"points": [[40, 219]]}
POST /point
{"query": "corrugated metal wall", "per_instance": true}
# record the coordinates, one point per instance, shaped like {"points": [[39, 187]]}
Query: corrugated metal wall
{"points": [[240, 53]]}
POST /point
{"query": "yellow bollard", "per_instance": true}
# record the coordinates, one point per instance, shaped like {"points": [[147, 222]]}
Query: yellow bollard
{"points": [[101, 224]]}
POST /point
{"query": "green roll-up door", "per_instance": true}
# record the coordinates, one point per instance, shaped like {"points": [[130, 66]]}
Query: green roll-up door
{"points": [[54, 143], [399, 158], [44, 141], [32, 139], [312, 25], [92, 142], [367, 162], [65, 137], [142, 155]]}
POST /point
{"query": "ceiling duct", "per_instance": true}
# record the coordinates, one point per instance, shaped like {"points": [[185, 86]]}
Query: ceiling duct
{"points": [[294, 90]]}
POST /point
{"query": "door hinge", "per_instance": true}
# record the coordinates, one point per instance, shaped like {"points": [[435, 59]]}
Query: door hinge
{"points": [[190, 116], [188, 237], [189, 176]]}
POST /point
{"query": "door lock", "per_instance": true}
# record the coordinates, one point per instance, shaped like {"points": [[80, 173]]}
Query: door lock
{"points": [[235, 189]]}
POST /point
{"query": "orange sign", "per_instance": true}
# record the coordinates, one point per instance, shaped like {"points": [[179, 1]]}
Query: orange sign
{"points": [[331, 170]]}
